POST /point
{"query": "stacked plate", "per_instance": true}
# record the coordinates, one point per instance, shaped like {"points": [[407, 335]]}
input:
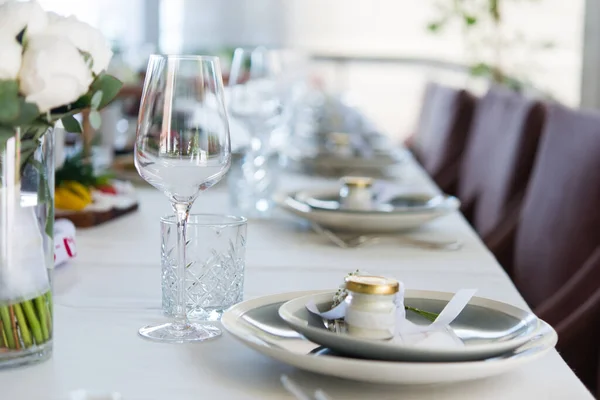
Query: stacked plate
{"points": [[396, 214], [343, 153], [497, 338]]}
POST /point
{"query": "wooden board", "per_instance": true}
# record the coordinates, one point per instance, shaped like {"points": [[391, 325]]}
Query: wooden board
{"points": [[86, 219]]}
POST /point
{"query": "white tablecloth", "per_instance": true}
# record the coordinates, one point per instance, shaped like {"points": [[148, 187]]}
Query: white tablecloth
{"points": [[113, 288]]}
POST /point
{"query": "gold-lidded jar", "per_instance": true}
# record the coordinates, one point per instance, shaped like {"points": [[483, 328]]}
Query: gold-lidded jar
{"points": [[371, 311], [355, 193]]}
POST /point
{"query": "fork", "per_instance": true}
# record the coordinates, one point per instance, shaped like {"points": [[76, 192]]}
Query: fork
{"points": [[362, 240]]}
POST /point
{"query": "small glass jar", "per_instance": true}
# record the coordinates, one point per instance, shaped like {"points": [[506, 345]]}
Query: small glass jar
{"points": [[371, 311], [355, 193]]}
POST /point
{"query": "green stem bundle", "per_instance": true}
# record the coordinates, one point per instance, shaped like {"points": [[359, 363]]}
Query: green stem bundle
{"points": [[26, 324]]}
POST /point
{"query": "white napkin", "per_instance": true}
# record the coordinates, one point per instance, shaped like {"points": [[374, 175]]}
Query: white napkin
{"points": [[438, 334], [64, 241]]}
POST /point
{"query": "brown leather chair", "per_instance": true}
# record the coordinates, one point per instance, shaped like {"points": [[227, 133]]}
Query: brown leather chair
{"points": [[442, 133], [499, 156]]}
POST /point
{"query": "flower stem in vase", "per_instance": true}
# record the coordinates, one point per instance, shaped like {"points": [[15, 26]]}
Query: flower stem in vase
{"points": [[43, 314], [49, 302], [34, 323], [6, 325], [13, 321], [23, 328]]}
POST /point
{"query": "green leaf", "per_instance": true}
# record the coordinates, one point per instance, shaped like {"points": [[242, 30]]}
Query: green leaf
{"points": [[96, 100], [9, 101], [28, 113], [109, 86], [71, 124], [95, 119], [481, 69], [434, 27], [470, 20], [5, 134]]}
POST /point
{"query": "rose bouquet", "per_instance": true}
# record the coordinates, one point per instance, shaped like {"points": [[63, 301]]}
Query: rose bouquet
{"points": [[51, 68]]}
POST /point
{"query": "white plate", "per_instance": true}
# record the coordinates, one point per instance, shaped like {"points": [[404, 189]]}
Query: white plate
{"points": [[487, 327], [256, 323], [365, 222], [380, 163]]}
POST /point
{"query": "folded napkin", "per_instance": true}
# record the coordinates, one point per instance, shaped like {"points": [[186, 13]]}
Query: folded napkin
{"points": [[64, 241], [438, 334]]}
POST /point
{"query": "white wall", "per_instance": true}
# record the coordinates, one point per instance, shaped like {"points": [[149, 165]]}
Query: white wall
{"points": [[391, 94], [215, 23]]}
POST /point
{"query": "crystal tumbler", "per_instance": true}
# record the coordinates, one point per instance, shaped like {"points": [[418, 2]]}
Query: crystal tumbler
{"points": [[215, 254]]}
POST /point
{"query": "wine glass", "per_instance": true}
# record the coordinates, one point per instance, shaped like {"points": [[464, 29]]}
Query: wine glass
{"points": [[256, 97], [182, 148], [256, 93]]}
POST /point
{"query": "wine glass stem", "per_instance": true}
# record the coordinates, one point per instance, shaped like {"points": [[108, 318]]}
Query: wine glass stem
{"points": [[182, 210]]}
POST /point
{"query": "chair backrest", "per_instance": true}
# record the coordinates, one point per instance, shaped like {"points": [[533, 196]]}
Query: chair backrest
{"points": [[574, 311], [499, 154], [443, 127], [509, 165], [559, 226]]}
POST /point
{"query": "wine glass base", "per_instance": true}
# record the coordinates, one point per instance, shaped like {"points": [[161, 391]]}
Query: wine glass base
{"points": [[172, 333]]}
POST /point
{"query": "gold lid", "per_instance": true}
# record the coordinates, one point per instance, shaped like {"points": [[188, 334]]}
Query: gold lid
{"points": [[371, 284], [357, 181], [339, 138]]}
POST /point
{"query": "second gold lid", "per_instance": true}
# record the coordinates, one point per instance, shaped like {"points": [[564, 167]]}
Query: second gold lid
{"points": [[371, 284]]}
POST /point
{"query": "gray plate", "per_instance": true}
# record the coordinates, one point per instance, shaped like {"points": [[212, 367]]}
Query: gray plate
{"points": [[363, 222], [329, 200], [256, 324], [488, 328]]}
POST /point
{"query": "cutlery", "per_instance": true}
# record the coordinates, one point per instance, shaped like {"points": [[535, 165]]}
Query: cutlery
{"points": [[362, 240]]}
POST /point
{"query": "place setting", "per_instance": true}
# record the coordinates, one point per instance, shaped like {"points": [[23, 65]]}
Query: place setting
{"points": [[372, 329], [359, 211], [344, 142]]}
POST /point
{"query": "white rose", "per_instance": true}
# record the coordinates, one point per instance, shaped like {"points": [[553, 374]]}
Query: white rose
{"points": [[53, 72], [84, 37], [10, 54], [16, 15]]}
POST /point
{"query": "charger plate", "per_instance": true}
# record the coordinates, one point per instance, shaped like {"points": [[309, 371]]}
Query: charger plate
{"points": [[256, 323]]}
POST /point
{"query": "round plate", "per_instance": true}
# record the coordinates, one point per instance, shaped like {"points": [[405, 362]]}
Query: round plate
{"points": [[256, 323], [487, 328], [364, 222], [414, 203]]}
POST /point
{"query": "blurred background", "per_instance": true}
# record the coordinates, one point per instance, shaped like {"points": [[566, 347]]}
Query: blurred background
{"points": [[378, 53]]}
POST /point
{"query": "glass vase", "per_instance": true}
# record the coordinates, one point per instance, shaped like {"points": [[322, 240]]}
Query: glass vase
{"points": [[26, 245]]}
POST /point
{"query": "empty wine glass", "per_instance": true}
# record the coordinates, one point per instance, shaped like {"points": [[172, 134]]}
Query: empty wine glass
{"points": [[182, 148], [256, 96]]}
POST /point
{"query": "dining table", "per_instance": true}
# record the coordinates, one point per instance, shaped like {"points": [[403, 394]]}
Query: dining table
{"points": [[113, 287]]}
